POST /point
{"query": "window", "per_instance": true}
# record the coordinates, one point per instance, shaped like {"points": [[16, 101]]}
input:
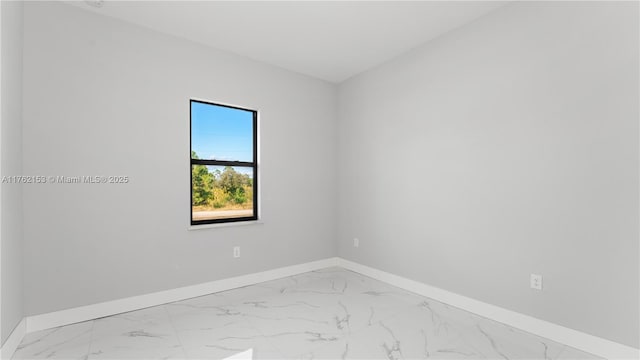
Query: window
{"points": [[224, 166]]}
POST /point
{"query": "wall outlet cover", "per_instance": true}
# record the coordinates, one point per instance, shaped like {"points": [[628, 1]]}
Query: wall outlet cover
{"points": [[536, 281]]}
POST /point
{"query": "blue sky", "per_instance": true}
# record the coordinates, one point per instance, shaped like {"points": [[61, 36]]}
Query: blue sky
{"points": [[221, 133]]}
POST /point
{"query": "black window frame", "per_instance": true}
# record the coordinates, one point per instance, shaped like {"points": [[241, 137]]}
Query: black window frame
{"points": [[248, 164]]}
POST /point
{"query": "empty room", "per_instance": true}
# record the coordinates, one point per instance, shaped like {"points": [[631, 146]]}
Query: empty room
{"points": [[319, 180]]}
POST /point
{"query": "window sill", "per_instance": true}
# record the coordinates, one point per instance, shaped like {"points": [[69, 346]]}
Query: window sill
{"points": [[228, 224]]}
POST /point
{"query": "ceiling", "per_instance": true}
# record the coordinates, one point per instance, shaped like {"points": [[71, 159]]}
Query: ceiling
{"points": [[329, 40]]}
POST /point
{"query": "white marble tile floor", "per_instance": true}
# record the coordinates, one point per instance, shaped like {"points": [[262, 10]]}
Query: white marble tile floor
{"points": [[326, 314]]}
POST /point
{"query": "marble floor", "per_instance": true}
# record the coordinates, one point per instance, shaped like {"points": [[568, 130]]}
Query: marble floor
{"points": [[326, 314]]}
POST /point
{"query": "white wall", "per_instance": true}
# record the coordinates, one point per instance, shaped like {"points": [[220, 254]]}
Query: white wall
{"points": [[504, 148], [107, 98], [11, 260]]}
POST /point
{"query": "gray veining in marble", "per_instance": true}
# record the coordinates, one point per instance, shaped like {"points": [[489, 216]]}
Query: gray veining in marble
{"points": [[326, 314]]}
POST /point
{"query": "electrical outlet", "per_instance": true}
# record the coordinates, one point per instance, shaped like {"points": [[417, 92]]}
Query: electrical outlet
{"points": [[95, 3], [356, 242], [536, 281], [236, 252]]}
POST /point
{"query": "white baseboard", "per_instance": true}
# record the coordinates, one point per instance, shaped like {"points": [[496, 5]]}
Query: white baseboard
{"points": [[9, 348], [579, 340], [94, 311]]}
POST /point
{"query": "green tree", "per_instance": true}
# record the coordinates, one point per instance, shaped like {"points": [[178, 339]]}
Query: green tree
{"points": [[233, 183], [202, 183]]}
